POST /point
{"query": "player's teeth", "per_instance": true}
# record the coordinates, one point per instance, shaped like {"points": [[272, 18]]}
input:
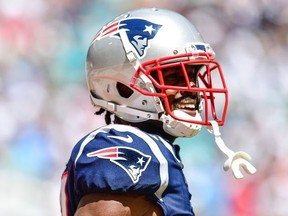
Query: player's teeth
{"points": [[192, 106], [183, 106]]}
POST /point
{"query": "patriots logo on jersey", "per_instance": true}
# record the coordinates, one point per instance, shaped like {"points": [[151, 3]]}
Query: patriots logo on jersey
{"points": [[132, 161], [138, 31]]}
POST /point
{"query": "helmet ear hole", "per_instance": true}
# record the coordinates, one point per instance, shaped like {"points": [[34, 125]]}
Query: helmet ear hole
{"points": [[124, 90]]}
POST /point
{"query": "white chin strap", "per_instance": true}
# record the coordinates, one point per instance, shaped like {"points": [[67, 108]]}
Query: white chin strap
{"points": [[235, 160], [179, 128]]}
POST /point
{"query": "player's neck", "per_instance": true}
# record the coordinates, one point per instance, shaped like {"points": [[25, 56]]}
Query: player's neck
{"points": [[150, 126]]}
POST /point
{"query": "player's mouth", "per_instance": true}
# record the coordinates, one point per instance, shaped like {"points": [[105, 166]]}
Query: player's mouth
{"points": [[189, 108]]}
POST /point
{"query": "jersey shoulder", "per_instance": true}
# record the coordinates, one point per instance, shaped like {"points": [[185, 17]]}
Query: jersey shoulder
{"points": [[110, 138], [119, 158], [124, 159]]}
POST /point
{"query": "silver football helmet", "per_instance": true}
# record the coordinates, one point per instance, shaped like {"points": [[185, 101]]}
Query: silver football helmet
{"points": [[129, 64]]}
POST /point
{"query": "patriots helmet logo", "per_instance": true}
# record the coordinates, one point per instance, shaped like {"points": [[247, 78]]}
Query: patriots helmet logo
{"points": [[132, 161], [137, 31]]}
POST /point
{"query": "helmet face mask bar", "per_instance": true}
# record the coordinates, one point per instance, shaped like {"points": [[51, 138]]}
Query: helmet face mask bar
{"points": [[206, 89]]}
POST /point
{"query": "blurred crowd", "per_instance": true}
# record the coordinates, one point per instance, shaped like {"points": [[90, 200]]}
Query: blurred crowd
{"points": [[45, 107]]}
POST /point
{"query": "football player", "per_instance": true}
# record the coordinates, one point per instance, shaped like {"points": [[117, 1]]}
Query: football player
{"points": [[156, 79]]}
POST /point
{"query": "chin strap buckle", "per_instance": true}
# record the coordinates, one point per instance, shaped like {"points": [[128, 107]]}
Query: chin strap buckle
{"points": [[235, 160]]}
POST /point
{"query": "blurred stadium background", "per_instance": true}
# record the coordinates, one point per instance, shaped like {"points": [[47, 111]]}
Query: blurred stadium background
{"points": [[45, 109]]}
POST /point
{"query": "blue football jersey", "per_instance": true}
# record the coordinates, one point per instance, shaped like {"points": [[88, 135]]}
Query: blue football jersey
{"points": [[122, 158]]}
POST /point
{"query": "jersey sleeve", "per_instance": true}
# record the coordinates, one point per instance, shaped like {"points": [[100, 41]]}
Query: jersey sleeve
{"points": [[119, 158]]}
